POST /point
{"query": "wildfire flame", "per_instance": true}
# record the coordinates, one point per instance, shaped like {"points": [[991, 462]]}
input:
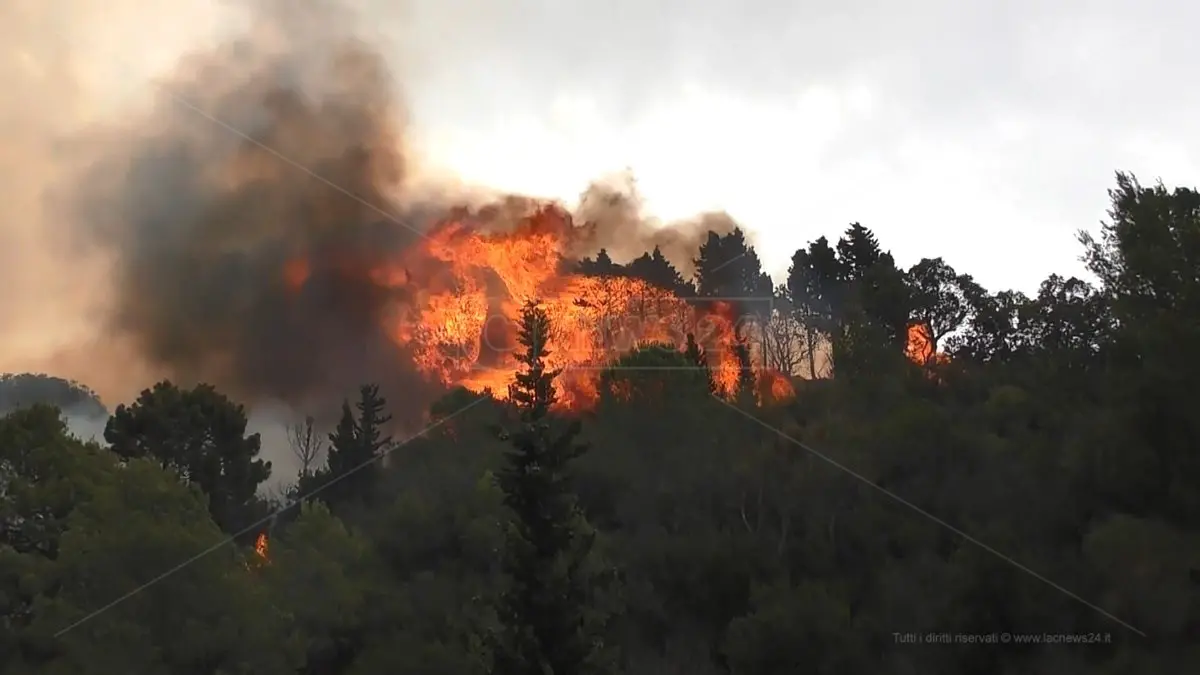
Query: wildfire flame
{"points": [[920, 346], [261, 547], [774, 387], [460, 291]]}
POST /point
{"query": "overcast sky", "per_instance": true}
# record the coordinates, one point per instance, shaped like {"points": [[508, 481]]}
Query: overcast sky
{"points": [[983, 132]]}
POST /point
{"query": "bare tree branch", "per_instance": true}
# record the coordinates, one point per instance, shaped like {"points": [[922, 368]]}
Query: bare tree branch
{"points": [[307, 445]]}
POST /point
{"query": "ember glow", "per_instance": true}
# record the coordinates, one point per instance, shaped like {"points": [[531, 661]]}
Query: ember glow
{"points": [[458, 294], [920, 346], [261, 546], [774, 387]]}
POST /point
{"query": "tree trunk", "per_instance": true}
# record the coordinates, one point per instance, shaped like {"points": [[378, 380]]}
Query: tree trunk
{"points": [[812, 353]]}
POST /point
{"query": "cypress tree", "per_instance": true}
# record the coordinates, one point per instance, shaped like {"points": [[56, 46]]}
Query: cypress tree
{"points": [[549, 623]]}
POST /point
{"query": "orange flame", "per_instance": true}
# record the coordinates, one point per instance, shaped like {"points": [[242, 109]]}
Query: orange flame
{"points": [[774, 387], [261, 546], [460, 291], [920, 346]]}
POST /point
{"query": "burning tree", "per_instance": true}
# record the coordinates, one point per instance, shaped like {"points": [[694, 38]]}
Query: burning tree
{"points": [[549, 624]]}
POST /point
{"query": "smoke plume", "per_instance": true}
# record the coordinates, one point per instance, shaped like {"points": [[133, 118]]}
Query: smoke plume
{"points": [[611, 214], [158, 243]]}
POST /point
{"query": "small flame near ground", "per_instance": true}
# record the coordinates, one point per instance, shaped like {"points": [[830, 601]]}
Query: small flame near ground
{"points": [[774, 387], [262, 547]]}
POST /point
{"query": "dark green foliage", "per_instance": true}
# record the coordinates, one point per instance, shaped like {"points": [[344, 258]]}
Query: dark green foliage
{"points": [[200, 434], [548, 624], [600, 266], [728, 267], [356, 445], [656, 269], [1041, 478]]}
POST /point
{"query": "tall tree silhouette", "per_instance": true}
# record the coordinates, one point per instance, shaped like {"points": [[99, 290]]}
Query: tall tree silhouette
{"points": [[654, 268], [816, 290], [728, 267], [353, 446], [600, 266], [941, 298], [548, 625]]}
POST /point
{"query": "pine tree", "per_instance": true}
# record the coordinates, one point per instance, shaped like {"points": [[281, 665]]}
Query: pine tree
{"points": [[353, 446], [371, 420], [655, 269], [342, 442], [549, 623], [859, 251], [600, 266]]}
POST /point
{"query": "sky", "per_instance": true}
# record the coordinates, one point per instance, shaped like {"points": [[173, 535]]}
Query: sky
{"points": [[985, 133]]}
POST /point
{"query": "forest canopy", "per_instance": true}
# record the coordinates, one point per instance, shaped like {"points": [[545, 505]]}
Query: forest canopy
{"points": [[904, 472]]}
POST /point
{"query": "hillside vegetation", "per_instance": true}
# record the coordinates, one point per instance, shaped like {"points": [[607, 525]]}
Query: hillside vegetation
{"points": [[1021, 497]]}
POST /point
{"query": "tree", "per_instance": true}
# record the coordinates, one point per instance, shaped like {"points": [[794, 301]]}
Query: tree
{"points": [[322, 575], [600, 266], [654, 268], [873, 319], [859, 251], [84, 532], [372, 420], [815, 290], [352, 471], [1146, 260], [728, 269], [793, 629], [657, 376], [26, 389], [1060, 434], [201, 434], [548, 623], [787, 342], [306, 445], [993, 333], [941, 299]]}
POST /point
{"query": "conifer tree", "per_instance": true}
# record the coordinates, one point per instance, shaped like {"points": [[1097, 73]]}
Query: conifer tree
{"points": [[371, 420], [354, 443], [549, 622]]}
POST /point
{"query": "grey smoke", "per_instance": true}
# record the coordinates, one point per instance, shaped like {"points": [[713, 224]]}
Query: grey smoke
{"points": [[157, 240]]}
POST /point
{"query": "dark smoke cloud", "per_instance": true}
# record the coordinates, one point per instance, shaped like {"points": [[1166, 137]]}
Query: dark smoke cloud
{"points": [[177, 225], [284, 144]]}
